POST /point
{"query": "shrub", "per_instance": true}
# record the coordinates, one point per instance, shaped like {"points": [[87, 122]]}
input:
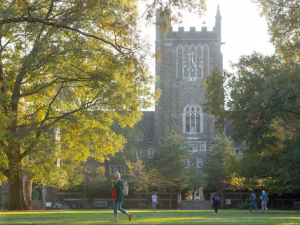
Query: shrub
{"points": [[159, 205], [244, 205], [143, 206], [223, 207], [6, 204], [35, 194]]}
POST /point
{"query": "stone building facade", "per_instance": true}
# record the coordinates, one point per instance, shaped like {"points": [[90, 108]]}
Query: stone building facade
{"points": [[186, 58]]}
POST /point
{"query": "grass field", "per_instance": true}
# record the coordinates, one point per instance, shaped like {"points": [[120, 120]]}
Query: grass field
{"points": [[146, 217]]}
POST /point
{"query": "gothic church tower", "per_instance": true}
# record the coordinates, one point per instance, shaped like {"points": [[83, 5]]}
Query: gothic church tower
{"points": [[186, 58]]}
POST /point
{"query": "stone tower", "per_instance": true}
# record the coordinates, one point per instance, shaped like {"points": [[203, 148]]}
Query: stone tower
{"points": [[186, 58]]}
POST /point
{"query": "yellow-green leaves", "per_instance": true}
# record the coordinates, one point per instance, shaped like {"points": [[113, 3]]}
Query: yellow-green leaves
{"points": [[72, 66]]}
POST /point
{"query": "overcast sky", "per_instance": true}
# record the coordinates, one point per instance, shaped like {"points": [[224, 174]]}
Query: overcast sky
{"points": [[243, 29]]}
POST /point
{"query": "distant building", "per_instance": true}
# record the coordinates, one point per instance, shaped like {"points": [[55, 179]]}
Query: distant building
{"points": [[186, 58]]}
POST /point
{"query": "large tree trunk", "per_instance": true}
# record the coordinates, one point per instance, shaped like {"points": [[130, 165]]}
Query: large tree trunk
{"points": [[241, 196], [170, 201], [28, 188], [17, 201], [193, 194]]}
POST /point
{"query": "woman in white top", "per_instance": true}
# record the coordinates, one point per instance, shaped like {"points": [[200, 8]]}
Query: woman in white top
{"points": [[154, 202]]}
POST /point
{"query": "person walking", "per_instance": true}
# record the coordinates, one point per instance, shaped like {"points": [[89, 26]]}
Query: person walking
{"points": [[29, 203], [214, 202], [253, 198], [154, 202], [264, 201], [197, 194], [118, 196]]}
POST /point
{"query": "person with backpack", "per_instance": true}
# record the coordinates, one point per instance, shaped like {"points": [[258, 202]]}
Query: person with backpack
{"points": [[197, 195], [215, 201], [253, 198], [118, 196], [154, 202]]}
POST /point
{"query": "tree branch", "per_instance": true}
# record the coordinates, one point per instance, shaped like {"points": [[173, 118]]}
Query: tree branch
{"points": [[46, 22], [296, 113], [26, 117], [56, 119], [49, 107], [28, 93], [4, 171], [151, 5]]}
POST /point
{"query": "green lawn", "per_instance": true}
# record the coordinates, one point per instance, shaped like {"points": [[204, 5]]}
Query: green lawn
{"points": [[146, 217]]}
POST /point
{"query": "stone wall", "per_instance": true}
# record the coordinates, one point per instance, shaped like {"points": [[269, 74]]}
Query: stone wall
{"points": [[5, 190]]}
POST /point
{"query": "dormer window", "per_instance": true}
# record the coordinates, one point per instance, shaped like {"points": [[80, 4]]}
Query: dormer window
{"points": [[150, 153], [199, 163], [238, 151]]}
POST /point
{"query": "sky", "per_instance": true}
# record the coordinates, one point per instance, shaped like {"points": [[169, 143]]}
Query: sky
{"points": [[243, 29]]}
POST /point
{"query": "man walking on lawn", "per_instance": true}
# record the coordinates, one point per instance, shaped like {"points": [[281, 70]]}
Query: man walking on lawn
{"points": [[264, 201], [253, 198]]}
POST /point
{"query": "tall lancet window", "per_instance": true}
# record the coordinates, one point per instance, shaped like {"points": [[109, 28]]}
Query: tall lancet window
{"points": [[192, 119]]}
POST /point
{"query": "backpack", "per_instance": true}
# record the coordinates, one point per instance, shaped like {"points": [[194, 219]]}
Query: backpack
{"points": [[253, 197], [125, 188], [217, 198]]}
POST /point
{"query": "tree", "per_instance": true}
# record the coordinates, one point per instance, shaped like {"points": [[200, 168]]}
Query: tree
{"points": [[217, 165], [54, 77], [263, 105], [196, 179], [71, 68], [168, 173], [262, 101], [215, 96], [131, 134], [138, 177], [283, 17]]}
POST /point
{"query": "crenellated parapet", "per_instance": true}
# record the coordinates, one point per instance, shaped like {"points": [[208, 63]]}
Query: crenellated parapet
{"points": [[192, 33]]}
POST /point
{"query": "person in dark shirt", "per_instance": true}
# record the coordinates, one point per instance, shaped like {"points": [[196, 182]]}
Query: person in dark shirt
{"points": [[197, 195], [253, 198], [214, 202]]}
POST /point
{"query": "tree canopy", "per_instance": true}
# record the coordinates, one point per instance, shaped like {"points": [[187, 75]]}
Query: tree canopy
{"points": [[168, 173], [262, 101], [218, 165], [68, 71], [283, 17]]}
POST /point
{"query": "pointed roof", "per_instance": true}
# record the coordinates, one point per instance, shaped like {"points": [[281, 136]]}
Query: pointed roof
{"points": [[218, 12]]}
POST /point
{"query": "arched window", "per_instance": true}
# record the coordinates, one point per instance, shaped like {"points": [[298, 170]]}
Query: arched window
{"points": [[192, 119]]}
